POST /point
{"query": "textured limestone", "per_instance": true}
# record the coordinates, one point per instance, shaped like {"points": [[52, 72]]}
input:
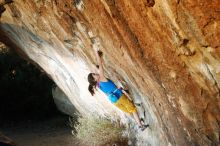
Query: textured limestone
{"points": [[63, 103], [165, 52]]}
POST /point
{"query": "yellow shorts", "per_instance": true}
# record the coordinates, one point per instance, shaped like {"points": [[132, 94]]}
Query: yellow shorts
{"points": [[125, 104]]}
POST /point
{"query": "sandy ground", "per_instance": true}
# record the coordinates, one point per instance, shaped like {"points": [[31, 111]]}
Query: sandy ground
{"points": [[52, 132]]}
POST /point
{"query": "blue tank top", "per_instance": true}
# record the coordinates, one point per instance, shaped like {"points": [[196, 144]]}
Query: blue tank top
{"points": [[111, 90]]}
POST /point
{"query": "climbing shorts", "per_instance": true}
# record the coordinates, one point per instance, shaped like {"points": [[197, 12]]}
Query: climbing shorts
{"points": [[125, 104]]}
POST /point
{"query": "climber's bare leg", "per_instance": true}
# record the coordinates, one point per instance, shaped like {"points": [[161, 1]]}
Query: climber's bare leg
{"points": [[137, 119]]}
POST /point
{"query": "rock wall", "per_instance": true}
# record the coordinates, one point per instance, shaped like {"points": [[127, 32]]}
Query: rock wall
{"points": [[5, 141], [165, 52]]}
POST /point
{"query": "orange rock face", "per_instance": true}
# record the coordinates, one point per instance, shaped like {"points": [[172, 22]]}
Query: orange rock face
{"points": [[166, 52]]}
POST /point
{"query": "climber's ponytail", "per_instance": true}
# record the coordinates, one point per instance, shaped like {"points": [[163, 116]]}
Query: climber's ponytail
{"points": [[92, 84], [91, 89]]}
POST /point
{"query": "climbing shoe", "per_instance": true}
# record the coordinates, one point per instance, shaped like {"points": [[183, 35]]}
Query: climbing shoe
{"points": [[143, 127], [137, 104], [142, 120]]}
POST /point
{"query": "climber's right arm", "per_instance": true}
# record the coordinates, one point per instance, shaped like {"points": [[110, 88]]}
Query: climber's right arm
{"points": [[99, 58]]}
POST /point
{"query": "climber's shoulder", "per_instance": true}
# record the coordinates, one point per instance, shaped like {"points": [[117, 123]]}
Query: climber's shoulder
{"points": [[103, 78]]}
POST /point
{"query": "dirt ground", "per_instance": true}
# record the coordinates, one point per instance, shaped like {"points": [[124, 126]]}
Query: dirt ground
{"points": [[52, 132]]}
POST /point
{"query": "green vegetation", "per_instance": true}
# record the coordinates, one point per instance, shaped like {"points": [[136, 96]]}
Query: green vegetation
{"points": [[95, 131]]}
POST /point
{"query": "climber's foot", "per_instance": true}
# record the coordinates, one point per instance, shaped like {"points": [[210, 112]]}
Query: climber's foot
{"points": [[143, 127], [142, 120], [137, 104]]}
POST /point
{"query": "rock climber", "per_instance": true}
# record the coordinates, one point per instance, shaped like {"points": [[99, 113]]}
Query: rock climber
{"points": [[116, 95]]}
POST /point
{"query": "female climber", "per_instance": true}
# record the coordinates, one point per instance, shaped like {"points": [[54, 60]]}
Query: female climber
{"points": [[116, 95]]}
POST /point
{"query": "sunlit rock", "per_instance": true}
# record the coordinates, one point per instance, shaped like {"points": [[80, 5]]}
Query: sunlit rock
{"points": [[166, 52]]}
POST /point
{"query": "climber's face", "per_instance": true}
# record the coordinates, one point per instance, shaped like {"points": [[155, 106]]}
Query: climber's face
{"points": [[95, 76]]}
